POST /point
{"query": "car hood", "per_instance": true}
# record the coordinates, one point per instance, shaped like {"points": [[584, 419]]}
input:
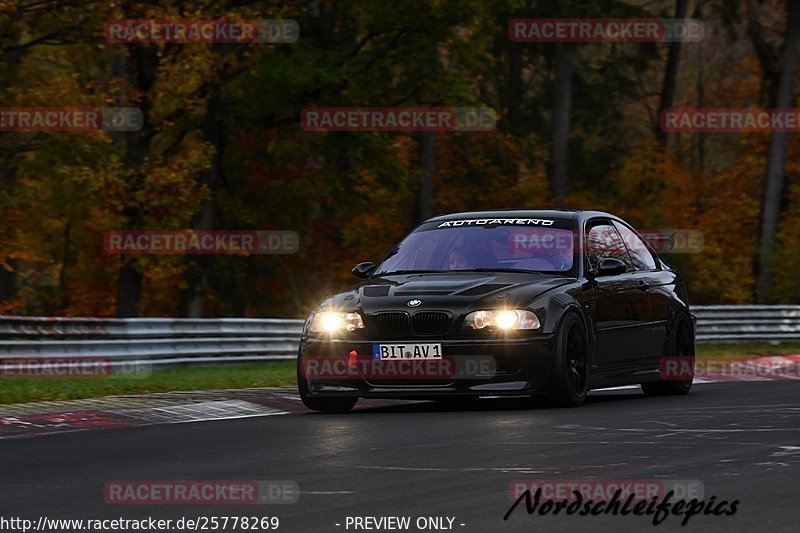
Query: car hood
{"points": [[450, 290]]}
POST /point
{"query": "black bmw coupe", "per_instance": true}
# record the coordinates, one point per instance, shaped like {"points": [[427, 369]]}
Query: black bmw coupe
{"points": [[501, 303]]}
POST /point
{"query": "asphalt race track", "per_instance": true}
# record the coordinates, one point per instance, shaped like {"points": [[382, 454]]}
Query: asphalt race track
{"points": [[740, 439]]}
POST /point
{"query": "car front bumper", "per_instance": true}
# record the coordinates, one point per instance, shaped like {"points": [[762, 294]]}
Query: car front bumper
{"points": [[469, 368]]}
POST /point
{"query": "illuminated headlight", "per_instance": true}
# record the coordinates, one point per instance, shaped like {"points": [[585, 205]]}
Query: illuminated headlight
{"points": [[329, 322], [502, 319]]}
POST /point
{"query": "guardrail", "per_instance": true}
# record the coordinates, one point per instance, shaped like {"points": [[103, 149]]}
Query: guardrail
{"points": [[151, 341], [174, 341], [736, 323]]}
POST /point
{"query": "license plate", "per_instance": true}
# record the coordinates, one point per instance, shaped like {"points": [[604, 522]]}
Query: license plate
{"points": [[407, 351]]}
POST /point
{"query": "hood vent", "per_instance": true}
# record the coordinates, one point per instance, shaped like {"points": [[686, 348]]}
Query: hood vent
{"points": [[422, 293], [376, 290], [486, 288]]}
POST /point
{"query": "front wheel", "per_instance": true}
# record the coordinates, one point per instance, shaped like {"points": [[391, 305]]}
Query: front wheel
{"points": [[569, 382], [323, 405], [681, 345]]}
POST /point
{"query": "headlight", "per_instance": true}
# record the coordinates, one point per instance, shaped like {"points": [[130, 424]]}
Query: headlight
{"points": [[330, 322], [504, 319]]}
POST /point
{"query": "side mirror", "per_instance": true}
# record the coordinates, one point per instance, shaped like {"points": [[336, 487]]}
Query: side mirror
{"points": [[363, 270], [610, 267]]}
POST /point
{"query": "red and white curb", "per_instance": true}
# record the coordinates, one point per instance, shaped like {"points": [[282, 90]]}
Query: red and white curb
{"points": [[38, 418]]}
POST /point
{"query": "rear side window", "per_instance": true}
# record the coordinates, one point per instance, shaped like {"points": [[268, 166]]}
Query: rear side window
{"points": [[602, 241], [640, 254]]}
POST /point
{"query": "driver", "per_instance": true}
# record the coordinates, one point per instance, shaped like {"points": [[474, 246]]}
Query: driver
{"points": [[458, 260], [466, 257]]}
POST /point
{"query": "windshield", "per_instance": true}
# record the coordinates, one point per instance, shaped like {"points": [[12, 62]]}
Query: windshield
{"points": [[519, 246]]}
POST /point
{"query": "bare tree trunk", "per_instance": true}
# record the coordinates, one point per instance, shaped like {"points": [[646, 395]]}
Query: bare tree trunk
{"points": [[138, 73], [768, 54], [8, 277], [129, 290], [427, 159], [512, 95], [8, 282], [670, 74], [774, 181], [8, 178], [558, 166], [700, 166], [66, 260], [427, 149], [129, 280], [195, 274], [197, 266], [298, 308]]}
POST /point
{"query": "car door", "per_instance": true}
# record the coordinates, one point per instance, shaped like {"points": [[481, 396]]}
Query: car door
{"points": [[657, 284], [622, 305]]}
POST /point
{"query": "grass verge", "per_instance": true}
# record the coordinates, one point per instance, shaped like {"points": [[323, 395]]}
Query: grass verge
{"points": [[726, 351], [15, 390]]}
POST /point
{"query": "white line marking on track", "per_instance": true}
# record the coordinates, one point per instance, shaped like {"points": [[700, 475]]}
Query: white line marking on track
{"points": [[434, 469]]}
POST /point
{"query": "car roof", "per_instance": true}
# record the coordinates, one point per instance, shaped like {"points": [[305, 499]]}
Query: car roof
{"points": [[569, 214]]}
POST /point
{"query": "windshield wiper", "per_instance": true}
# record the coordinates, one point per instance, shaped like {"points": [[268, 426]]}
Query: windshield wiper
{"points": [[399, 272], [506, 270]]}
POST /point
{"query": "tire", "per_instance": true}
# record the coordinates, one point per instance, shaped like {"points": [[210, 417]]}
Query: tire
{"points": [[681, 344], [569, 381], [323, 405]]}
